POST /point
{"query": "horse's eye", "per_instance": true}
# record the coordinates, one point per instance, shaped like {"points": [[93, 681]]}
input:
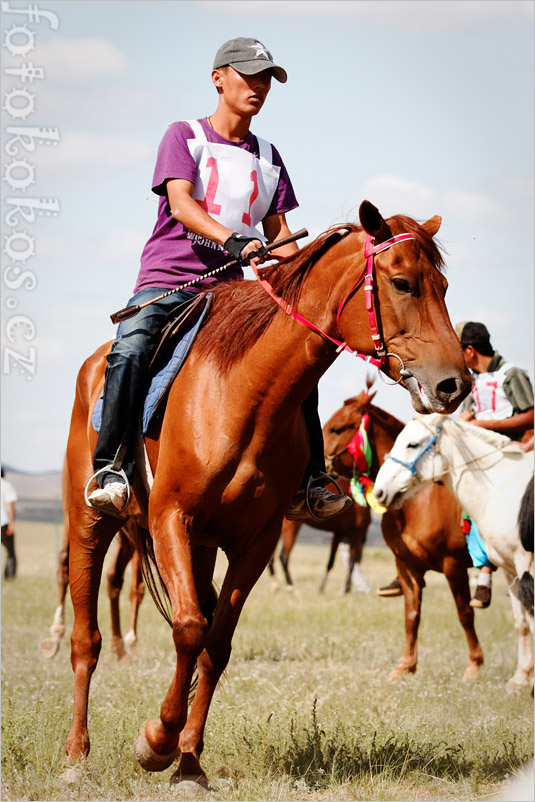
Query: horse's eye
{"points": [[401, 285], [412, 445]]}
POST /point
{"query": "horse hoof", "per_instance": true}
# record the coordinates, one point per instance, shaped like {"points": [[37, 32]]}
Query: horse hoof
{"points": [[398, 675], [72, 774], [471, 673], [513, 686], [117, 647], [130, 639], [147, 758], [190, 789], [49, 648]]}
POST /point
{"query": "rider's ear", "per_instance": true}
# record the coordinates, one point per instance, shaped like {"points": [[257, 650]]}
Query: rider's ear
{"points": [[432, 225], [373, 223]]}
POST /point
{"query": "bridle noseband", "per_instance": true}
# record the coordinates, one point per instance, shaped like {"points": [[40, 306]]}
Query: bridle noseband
{"points": [[411, 466], [367, 275]]}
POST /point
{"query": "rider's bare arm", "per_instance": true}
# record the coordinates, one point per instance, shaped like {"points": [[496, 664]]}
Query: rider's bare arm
{"points": [[187, 211]]}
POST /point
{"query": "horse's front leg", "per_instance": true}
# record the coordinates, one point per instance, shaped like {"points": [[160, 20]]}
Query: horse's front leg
{"points": [[524, 670], [457, 577], [187, 574], [412, 583], [89, 542], [245, 567]]}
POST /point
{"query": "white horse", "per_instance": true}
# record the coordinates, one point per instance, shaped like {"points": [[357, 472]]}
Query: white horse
{"points": [[490, 476]]}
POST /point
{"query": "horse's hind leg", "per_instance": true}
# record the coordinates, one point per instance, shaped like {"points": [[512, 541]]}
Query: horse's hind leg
{"points": [[412, 582], [50, 646], [137, 591], [457, 577], [89, 542], [115, 576], [290, 530], [332, 554]]}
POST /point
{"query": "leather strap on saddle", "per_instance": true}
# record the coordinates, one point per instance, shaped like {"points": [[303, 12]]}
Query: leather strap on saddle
{"points": [[178, 321]]}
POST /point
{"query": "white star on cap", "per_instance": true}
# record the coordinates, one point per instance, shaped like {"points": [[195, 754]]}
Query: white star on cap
{"points": [[260, 51]]}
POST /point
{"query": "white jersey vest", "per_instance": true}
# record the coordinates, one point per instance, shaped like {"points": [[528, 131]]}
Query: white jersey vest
{"points": [[490, 400], [233, 185]]}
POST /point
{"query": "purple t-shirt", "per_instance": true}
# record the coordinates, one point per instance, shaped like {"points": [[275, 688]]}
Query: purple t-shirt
{"points": [[173, 255]]}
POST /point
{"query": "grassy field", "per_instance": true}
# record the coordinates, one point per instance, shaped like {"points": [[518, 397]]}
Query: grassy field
{"points": [[305, 712]]}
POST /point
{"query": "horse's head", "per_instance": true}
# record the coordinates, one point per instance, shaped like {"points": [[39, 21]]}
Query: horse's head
{"points": [[413, 460], [340, 430], [410, 310]]}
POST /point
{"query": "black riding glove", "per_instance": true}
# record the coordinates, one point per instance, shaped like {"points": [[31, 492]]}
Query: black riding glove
{"points": [[235, 245]]}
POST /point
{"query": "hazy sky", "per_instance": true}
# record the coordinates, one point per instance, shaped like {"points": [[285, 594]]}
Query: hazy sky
{"points": [[422, 106]]}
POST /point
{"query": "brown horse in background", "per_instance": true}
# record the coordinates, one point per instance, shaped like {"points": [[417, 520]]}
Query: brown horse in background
{"points": [[424, 535], [232, 449], [349, 527]]}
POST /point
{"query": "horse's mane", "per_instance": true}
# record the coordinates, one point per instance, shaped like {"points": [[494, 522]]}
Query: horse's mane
{"points": [[386, 419], [461, 430], [241, 311]]}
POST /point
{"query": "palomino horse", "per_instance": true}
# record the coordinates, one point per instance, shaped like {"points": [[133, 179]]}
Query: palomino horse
{"points": [[125, 554], [489, 475], [232, 447], [424, 536], [349, 527]]}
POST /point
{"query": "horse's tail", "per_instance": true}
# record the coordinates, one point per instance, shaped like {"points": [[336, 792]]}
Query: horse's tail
{"points": [[525, 518], [525, 591], [151, 575]]}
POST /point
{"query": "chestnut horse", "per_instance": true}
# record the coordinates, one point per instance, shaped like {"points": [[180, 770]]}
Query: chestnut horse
{"points": [[232, 447], [425, 535]]}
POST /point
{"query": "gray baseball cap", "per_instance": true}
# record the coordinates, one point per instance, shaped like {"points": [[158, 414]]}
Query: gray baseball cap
{"points": [[248, 56]]}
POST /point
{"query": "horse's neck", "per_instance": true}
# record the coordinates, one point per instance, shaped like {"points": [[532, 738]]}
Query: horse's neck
{"points": [[384, 433], [474, 467]]}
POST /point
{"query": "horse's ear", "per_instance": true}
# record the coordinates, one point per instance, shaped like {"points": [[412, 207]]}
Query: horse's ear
{"points": [[373, 223], [432, 225], [350, 400]]}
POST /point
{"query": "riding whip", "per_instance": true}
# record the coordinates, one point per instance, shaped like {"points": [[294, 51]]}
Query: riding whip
{"points": [[130, 311]]}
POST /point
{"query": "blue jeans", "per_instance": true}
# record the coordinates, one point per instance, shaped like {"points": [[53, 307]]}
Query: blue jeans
{"points": [[476, 549], [127, 374]]}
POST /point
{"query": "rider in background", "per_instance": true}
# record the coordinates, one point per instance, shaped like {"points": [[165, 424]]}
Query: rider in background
{"points": [[216, 182], [501, 401]]}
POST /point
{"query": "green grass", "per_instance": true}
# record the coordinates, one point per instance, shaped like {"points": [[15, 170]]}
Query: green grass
{"points": [[305, 712]]}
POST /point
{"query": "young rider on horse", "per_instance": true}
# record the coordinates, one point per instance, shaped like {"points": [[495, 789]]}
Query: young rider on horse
{"points": [[502, 401], [216, 181]]}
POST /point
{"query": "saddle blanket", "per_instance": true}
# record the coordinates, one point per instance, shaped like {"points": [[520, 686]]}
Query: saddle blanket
{"points": [[163, 378]]}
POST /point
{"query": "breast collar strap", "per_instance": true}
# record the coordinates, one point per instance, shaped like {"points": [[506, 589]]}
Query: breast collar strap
{"points": [[368, 276]]}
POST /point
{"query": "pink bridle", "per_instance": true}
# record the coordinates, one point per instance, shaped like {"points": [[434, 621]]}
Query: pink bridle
{"points": [[368, 276]]}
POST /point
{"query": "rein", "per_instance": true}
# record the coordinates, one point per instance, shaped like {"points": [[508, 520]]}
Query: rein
{"points": [[412, 465], [368, 276]]}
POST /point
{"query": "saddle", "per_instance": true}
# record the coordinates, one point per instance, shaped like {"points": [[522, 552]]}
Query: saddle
{"points": [[178, 335]]}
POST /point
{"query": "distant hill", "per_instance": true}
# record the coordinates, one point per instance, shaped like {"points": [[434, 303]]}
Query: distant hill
{"points": [[39, 497]]}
